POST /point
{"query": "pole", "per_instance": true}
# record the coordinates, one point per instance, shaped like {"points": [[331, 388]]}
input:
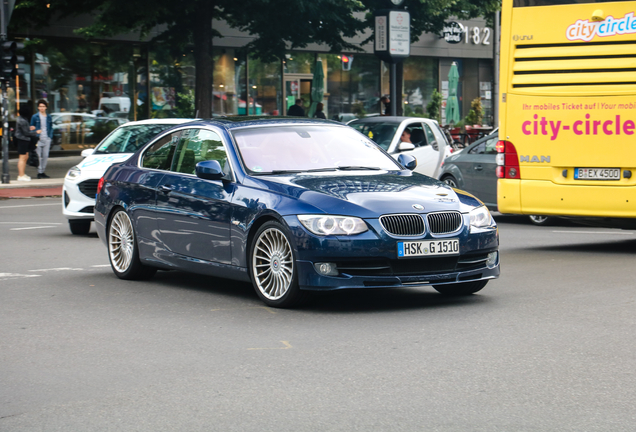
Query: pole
{"points": [[393, 96], [495, 93], [5, 134]]}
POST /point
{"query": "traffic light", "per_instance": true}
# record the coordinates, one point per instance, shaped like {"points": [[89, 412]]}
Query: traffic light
{"points": [[346, 62], [11, 59]]}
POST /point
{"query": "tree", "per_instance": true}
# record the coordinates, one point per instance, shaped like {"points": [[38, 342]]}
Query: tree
{"points": [[277, 25]]}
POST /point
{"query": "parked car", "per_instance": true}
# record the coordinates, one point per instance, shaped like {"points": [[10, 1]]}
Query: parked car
{"points": [[474, 170], [428, 143], [80, 184], [294, 206]]}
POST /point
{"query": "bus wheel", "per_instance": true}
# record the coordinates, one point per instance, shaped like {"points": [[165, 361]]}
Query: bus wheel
{"points": [[541, 220]]}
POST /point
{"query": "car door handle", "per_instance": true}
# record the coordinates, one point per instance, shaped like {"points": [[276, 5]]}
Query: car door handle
{"points": [[165, 188], [478, 167]]}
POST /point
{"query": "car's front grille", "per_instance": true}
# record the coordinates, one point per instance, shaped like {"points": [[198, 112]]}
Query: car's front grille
{"points": [[444, 222], [89, 187], [404, 267], [403, 224]]}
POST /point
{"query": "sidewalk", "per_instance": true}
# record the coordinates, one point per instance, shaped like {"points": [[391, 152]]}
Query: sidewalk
{"points": [[56, 169]]}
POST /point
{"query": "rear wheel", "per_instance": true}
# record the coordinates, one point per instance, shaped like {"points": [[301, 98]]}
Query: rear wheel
{"points": [[123, 251], [461, 289], [450, 180], [79, 226], [273, 267]]}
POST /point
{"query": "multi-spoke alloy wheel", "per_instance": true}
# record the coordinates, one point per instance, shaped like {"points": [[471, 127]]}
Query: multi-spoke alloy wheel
{"points": [[272, 267], [122, 249]]}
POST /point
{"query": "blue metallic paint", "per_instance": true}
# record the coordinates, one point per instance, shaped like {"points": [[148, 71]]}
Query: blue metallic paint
{"points": [[209, 228]]}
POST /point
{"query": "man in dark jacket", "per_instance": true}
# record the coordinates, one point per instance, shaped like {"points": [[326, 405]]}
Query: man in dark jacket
{"points": [[297, 109]]}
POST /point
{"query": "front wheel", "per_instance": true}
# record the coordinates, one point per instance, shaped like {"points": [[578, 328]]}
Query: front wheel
{"points": [[79, 226], [461, 289], [123, 251], [450, 180], [273, 267], [541, 220]]}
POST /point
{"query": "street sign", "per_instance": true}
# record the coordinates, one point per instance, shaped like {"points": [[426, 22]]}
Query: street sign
{"points": [[392, 35]]}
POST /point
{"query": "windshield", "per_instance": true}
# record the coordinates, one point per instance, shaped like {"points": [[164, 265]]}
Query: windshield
{"points": [[127, 139], [273, 150], [381, 133]]}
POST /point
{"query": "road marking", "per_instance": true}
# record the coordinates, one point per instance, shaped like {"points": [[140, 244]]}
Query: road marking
{"points": [[287, 346], [57, 269], [30, 205], [101, 265], [273, 312], [595, 232], [31, 223], [7, 276], [30, 228]]}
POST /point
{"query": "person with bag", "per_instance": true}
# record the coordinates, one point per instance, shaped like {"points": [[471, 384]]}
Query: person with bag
{"points": [[22, 137], [44, 126]]}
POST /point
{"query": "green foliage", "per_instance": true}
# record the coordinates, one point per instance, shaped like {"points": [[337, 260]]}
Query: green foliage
{"points": [[185, 104], [476, 114], [434, 107]]}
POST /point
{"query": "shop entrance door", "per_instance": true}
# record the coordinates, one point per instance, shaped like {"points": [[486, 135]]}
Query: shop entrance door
{"points": [[297, 86]]}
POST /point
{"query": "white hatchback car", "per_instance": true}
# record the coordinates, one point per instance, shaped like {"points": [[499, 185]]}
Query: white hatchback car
{"points": [[428, 142], [80, 184]]}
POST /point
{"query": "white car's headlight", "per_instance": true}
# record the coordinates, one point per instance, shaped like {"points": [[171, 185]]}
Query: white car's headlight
{"points": [[73, 173], [480, 217], [333, 225]]}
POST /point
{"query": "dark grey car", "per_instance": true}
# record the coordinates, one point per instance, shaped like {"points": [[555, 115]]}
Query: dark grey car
{"points": [[474, 170]]}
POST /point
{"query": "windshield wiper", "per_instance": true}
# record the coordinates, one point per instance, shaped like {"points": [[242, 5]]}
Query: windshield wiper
{"points": [[356, 168]]}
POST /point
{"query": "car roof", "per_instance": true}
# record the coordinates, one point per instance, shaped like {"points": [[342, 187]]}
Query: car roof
{"points": [[235, 122], [163, 121]]}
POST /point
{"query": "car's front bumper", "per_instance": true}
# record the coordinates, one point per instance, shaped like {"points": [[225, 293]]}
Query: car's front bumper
{"points": [[77, 202]]}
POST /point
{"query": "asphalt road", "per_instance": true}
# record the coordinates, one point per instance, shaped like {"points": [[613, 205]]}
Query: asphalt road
{"points": [[550, 346]]}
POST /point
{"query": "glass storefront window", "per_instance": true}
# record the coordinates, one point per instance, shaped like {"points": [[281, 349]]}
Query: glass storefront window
{"points": [[229, 82], [355, 92], [299, 62], [172, 80], [420, 79], [265, 96]]}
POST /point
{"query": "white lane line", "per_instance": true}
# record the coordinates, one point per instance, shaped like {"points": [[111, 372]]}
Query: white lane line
{"points": [[31, 223], [58, 269], [7, 276], [31, 205], [30, 228], [102, 265], [595, 232]]}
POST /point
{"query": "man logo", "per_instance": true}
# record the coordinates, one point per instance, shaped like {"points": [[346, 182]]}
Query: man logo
{"points": [[522, 38], [534, 159]]}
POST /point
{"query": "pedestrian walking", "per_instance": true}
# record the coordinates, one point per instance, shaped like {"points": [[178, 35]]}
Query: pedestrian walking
{"points": [[44, 127], [297, 109], [22, 138]]}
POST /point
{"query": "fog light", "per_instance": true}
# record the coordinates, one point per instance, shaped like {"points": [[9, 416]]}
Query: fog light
{"points": [[326, 269], [492, 259]]}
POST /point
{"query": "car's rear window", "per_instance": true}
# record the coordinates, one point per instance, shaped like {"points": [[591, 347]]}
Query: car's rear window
{"points": [[127, 139]]}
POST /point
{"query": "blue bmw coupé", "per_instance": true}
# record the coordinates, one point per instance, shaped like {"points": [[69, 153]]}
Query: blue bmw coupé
{"points": [[294, 206]]}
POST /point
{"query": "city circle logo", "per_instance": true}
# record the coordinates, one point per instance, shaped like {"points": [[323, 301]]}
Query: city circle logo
{"points": [[586, 30]]}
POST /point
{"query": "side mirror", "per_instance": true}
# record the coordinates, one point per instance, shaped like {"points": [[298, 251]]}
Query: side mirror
{"points": [[209, 170], [87, 152], [406, 146], [408, 161]]}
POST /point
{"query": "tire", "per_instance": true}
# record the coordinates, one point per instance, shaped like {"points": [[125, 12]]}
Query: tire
{"points": [[273, 270], [79, 226], [541, 220], [123, 251], [450, 180], [461, 289]]}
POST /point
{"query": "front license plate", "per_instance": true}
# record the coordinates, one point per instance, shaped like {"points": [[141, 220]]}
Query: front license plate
{"points": [[428, 248], [597, 173]]}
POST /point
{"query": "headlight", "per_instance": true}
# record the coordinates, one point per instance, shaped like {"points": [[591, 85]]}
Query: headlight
{"points": [[73, 173], [480, 217], [333, 225]]}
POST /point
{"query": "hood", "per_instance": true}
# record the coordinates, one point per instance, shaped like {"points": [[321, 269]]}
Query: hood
{"points": [[371, 195], [99, 163]]}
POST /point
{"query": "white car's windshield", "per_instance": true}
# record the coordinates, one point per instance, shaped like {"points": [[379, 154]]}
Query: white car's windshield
{"points": [[302, 148], [127, 139], [380, 132]]}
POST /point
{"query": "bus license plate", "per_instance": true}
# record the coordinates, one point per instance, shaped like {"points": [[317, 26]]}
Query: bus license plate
{"points": [[597, 174], [428, 248]]}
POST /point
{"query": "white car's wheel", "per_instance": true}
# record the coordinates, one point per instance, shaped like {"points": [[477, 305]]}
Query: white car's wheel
{"points": [[273, 267], [122, 249], [79, 226]]}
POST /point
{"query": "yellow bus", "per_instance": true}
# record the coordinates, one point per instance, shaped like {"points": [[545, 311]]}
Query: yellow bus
{"points": [[567, 122]]}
